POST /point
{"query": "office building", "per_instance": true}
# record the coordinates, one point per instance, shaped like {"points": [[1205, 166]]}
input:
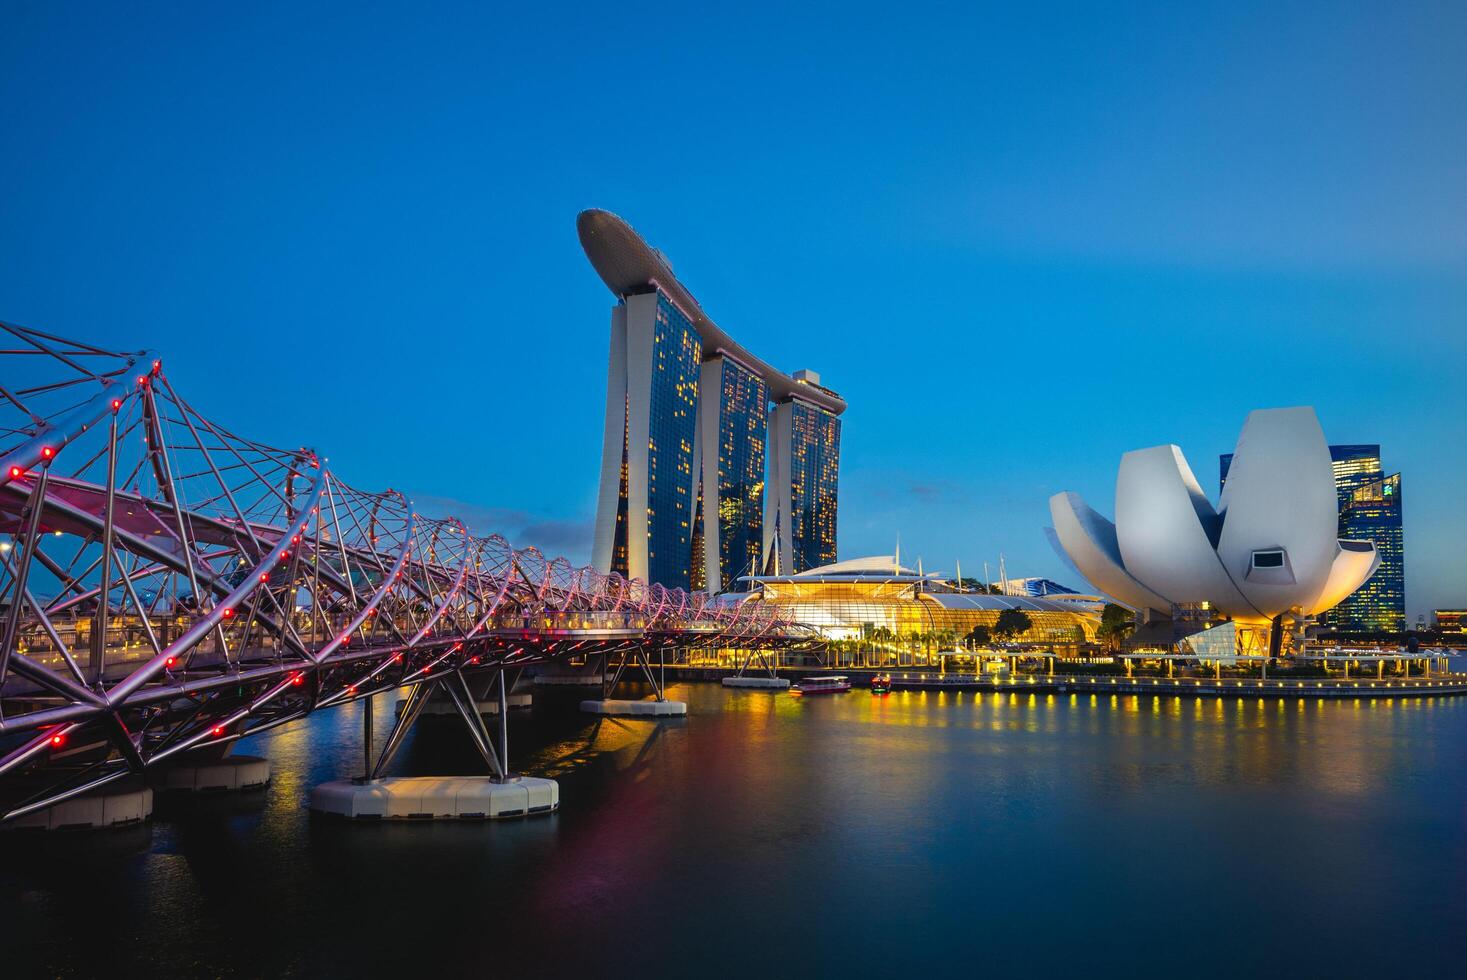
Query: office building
{"points": [[1369, 509]]}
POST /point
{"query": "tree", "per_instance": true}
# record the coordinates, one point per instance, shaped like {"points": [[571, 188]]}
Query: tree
{"points": [[979, 636], [1012, 623], [1116, 623]]}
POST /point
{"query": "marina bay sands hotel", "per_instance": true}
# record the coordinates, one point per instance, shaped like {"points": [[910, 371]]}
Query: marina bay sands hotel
{"points": [[714, 464]]}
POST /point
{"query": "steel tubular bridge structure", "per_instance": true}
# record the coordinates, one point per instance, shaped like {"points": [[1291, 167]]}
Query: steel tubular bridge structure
{"points": [[168, 587]]}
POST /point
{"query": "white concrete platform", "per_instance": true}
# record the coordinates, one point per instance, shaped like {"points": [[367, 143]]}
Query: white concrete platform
{"points": [[489, 707], [436, 798], [568, 680], [99, 810], [641, 709], [760, 682], [233, 772]]}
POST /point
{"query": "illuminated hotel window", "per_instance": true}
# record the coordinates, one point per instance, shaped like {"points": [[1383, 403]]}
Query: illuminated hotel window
{"points": [[743, 422], [814, 473], [676, 355]]}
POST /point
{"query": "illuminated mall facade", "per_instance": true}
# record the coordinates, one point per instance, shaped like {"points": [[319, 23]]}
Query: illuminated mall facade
{"points": [[714, 465], [876, 601]]}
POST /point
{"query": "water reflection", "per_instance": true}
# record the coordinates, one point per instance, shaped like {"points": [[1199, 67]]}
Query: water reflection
{"points": [[942, 818]]}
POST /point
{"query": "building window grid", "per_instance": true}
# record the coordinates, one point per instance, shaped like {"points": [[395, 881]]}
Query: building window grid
{"points": [[743, 430], [814, 474], [676, 356], [1370, 509]]}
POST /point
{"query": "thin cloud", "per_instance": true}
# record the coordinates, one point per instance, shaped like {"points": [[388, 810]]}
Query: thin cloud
{"points": [[553, 536]]}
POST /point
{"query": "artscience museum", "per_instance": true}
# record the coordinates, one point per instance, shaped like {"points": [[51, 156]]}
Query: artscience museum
{"points": [[1255, 567]]}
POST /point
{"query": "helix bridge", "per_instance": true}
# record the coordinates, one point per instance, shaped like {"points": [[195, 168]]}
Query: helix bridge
{"points": [[168, 587]]}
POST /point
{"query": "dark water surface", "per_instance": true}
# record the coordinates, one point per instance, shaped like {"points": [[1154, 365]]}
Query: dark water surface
{"points": [[946, 834]]}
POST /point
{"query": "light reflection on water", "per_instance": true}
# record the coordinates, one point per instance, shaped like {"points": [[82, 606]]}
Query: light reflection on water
{"points": [[944, 832]]}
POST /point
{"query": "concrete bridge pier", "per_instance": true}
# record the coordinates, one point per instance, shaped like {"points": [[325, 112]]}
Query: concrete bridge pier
{"points": [[485, 700], [118, 805], [770, 680], [657, 707], [499, 795], [214, 775]]}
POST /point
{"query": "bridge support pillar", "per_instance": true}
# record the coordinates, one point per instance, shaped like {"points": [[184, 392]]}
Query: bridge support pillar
{"points": [[765, 663], [111, 806], [436, 798], [233, 772], [657, 707], [496, 796], [640, 709]]}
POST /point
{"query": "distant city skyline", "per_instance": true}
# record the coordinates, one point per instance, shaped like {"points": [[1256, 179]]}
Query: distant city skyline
{"points": [[1018, 247]]}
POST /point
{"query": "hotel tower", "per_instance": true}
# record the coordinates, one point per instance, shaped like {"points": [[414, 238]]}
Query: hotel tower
{"points": [[714, 465]]}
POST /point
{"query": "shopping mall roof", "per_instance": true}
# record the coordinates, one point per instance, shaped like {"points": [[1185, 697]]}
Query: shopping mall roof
{"points": [[979, 600]]}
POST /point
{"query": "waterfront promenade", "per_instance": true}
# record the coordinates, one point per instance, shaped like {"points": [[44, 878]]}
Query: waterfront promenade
{"points": [[1431, 685]]}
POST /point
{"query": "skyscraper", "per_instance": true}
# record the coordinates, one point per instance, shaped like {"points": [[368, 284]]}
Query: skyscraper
{"points": [[690, 436], [1370, 508], [800, 511], [733, 431]]}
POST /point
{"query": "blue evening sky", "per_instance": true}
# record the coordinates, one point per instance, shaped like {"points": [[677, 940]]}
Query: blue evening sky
{"points": [[1020, 240]]}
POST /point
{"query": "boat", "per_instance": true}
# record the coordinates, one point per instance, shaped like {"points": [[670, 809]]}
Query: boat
{"points": [[830, 684], [881, 684]]}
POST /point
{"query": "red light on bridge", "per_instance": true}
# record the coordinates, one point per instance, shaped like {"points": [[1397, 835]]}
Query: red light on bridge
{"points": [[218, 730], [47, 452], [116, 404], [284, 555], [297, 680], [157, 366], [264, 576], [397, 659], [295, 539], [169, 663], [345, 639], [351, 689], [226, 613], [58, 740]]}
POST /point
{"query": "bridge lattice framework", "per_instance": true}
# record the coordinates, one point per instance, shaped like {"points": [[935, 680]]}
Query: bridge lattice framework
{"points": [[168, 586]]}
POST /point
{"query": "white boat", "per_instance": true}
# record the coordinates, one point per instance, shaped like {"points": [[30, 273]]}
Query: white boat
{"points": [[827, 684]]}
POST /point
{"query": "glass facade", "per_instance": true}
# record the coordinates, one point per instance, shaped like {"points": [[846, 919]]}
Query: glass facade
{"points": [[677, 352], [911, 619], [1373, 511], [619, 556], [743, 423], [814, 470], [1370, 510], [684, 496]]}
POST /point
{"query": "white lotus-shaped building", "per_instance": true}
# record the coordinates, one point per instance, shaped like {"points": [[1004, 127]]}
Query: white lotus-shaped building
{"points": [[1270, 547]]}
